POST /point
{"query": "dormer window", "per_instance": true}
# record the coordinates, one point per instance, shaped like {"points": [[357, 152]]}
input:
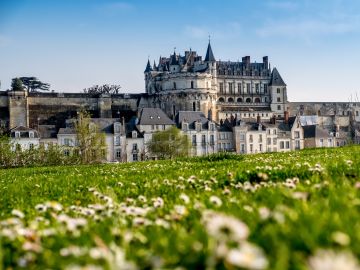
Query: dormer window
{"points": [[17, 134], [212, 126], [31, 134], [134, 134], [117, 128], [198, 126], [185, 126]]}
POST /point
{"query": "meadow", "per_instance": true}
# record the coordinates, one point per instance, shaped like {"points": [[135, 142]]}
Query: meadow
{"points": [[297, 210]]}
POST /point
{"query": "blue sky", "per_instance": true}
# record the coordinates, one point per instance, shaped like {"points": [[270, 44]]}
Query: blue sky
{"points": [[73, 44]]}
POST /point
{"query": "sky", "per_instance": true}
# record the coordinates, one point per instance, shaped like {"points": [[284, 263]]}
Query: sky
{"points": [[74, 44]]}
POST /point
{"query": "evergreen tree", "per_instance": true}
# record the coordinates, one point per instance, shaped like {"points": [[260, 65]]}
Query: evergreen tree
{"points": [[17, 85]]}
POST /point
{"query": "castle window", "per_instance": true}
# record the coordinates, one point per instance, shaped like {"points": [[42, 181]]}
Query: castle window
{"points": [[117, 128], [265, 99], [248, 100], [357, 113], [278, 99], [239, 100], [221, 86], [203, 140], [134, 134], [17, 134], [118, 153], [117, 140], [265, 88], [192, 84], [174, 85], [279, 107], [185, 126], [221, 99], [231, 88], [230, 100], [194, 106], [134, 147], [278, 90], [257, 88], [239, 88], [257, 100], [248, 86], [212, 140], [31, 134]]}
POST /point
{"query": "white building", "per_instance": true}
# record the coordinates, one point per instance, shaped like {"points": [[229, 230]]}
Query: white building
{"points": [[23, 138]]}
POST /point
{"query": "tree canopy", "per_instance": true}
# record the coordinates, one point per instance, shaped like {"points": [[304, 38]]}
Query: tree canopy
{"points": [[169, 144], [33, 84], [90, 141], [103, 89], [17, 85]]}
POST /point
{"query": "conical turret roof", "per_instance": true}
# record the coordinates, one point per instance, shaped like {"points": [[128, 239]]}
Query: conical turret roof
{"points": [[276, 79], [148, 67], [209, 54]]}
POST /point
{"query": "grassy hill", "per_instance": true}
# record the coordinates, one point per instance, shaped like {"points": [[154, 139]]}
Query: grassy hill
{"points": [[298, 210]]}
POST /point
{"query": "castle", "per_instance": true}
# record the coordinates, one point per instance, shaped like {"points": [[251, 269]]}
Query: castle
{"points": [[221, 90]]}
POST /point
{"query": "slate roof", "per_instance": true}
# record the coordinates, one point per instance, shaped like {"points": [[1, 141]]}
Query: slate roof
{"points": [[314, 131], [154, 116], [24, 132], [209, 54], [148, 67], [191, 117], [105, 125], [276, 79], [287, 127]]}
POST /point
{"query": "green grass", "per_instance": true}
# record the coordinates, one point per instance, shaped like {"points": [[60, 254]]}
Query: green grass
{"points": [[293, 204]]}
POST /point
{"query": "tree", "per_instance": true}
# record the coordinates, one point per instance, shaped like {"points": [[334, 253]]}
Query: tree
{"points": [[33, 84], [103, 89], [91, 142], [17, 85], [169, 144]]}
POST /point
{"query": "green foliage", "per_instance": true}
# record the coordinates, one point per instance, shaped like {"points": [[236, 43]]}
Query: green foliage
{"points": [[169, 144], [91, 142], [33, 84], [152, 213], [51, 156], [17, 85]]}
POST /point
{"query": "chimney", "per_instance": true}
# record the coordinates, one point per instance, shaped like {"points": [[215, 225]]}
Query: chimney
{"points": [[258, 119], [273, 119], [246, 60], [286, 117], [266, 62]]}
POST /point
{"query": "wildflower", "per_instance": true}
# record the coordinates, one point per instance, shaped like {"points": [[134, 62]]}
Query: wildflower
{"points": [[54, 206], [185, 198], [248, 208], [226, 191], [263, 176], [247, 256], [300, 195], [331, 260], [215, 200], [225, 227], [158, 202], [357, 185], [142, 198], [162, 223], [264, 212], [40, 207], [17, 213]]}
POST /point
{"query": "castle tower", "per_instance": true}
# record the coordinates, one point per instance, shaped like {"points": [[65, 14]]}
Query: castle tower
{"points": [[278, 93], [147, 73], [210, 60], [18, 108], [211, 63]]}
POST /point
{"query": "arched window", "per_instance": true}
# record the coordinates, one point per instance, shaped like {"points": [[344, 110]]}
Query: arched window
{"points": [[248, 100], [221, 99], [192, 84], [174, 85], [257, 100], [239, 100], [230, 100]]}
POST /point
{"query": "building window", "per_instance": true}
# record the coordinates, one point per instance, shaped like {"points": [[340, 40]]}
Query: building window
{"points": [[278, 99], [198, 127], [221, 86], [269, 141], [329, 142], [297, 134], [212, 140], [321, 142], [281, 145], [274, 141], [248, 86], [118, 153], [192, 84], [135, 157], [287, 145], [134, 147], [174, 84], [251, 148], [260, 137], [185, 126], [31, 134], [265, 88], [260, 147], [257, 88], [242, 136], [117, 128], [278, 90], [231, 88], [297, 144], [31, 146], [357, 113], [279, 107], [193, 140], [251, 138], [117, 140], [67, 142], [239, 88], [203, 140], [17, 134], [66, 152], [242, 148]]}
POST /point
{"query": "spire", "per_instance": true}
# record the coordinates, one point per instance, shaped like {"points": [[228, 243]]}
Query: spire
{"points": [[209, 54], [173, 60], [154, 66], [276, 79], [148, 67]]}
